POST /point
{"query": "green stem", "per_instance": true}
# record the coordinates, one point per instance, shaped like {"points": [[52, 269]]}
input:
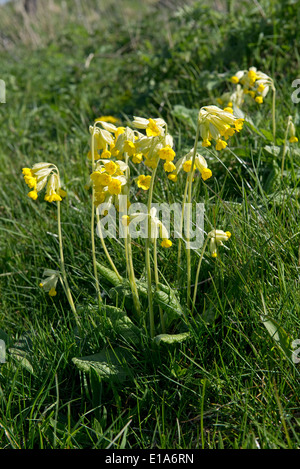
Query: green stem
{"points": [[162, 321], [128, 253], [105, 248], [62, 266], [93, 222], [197, 273], [285, 145], [188, 251], [181, 225], [130, 270], [274, 113], [147, 257]]}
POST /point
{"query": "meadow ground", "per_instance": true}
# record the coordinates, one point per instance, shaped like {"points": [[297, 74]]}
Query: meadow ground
{"points": [[233, 382]]}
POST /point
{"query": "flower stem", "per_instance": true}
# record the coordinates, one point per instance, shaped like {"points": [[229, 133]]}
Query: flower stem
{"points": [[147, 257], [162, 321], [188, 250], [128, 252], [62, 265], [93, 222], [285, 145], [181, 225], [105, 248], [274, 113], [197, 273]]}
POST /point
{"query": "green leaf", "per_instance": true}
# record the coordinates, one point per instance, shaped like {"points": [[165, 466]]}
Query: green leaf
{"points": [[122, 324], [273, 149], [109, 275], [189, 116], [279, 335], [107, 364], [171, 338]]}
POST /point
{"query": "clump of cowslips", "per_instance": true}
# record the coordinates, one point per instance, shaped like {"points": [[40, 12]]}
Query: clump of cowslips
{"points": [[255, 83]]}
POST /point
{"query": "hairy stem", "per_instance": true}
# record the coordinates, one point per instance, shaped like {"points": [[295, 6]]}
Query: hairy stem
{"points": [[188, 250], [62, 265]]}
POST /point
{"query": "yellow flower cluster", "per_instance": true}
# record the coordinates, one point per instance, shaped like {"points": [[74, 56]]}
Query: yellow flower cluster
{"points": [[218, 125], [124, 143], [41, 175], [256, 84]]}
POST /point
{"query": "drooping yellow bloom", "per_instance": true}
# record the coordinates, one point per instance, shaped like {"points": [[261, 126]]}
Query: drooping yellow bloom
{"points": [[129, 147], [101, 178], [153, 127], [166, 243], [115, 186], [137, 158], [111, 167], [53, 190], [217, 237], [292, 131], [144, 182], [169, 167], [259, 99], [49, 282], [166, 153], [111, 119]]}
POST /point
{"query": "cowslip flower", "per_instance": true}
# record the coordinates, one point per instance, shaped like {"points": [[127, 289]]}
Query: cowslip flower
{"points": [[166, 153], [215, 123], [143, 182], [40, 175], [111, 119], [102, 137], [217, 237], [49, 281], [153, 127], [292, 132]]}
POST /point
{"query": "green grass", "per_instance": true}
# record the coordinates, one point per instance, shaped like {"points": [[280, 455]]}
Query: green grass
{"points": [[229, 385]]}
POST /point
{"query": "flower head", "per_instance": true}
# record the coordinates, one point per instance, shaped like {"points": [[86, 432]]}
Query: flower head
{"points": [[216, 124], [41, 175], [143, 182]]}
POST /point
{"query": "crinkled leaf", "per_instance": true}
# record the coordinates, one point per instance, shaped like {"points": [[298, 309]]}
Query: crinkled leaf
{"points": [[122, 324], [272, 149], [107, 364], [20, 356], [109, 274], [171, 338]]}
